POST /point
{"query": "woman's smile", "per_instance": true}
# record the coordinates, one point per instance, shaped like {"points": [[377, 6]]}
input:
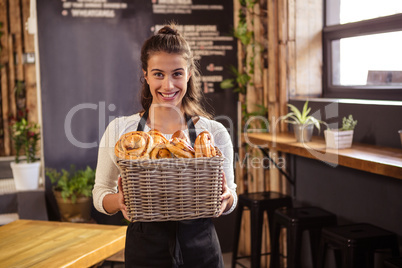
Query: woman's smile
{"points": [[168, 96], [167, 76]]}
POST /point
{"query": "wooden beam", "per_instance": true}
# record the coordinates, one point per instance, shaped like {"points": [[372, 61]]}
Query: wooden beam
{"points": [[29, 40], [11, 78]]}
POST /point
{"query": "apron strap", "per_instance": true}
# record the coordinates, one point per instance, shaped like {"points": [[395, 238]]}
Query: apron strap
{"points": [[143, 121], [189, 120], [191, 129]]}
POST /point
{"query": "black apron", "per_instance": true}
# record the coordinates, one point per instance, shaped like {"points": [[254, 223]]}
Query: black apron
{"points": [[189, 243]]}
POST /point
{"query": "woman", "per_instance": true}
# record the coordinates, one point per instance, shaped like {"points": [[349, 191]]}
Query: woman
{"points": [[170, 98]]}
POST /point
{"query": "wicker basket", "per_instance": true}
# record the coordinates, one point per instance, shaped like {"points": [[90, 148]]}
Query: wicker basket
{"points": [[172, 189]]}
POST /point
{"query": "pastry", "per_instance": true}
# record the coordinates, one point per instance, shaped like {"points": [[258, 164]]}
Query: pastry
{"points": [[157, 137], [180, 134], [180, 148], [160, 151], [134, 145], [204, 145]]}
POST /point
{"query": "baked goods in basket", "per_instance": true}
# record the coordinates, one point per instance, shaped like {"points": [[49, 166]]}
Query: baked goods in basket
{"points": [[134, 145], [158, 137], [180, 148], [160, 151], [180, 134], [204, 145]]}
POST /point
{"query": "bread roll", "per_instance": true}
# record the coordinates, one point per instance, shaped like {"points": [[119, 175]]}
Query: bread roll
{"points": [[181, 135], [134, 145], [160, 151], [180, 148], [204, 145], [158, 137]]}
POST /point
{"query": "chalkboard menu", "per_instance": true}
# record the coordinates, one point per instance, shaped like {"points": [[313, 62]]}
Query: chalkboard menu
{"points": [[90, 69]]}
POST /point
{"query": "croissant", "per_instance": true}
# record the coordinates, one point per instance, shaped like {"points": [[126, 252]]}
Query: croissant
{"points": [[134, 145], [180, 148], [204, 145], [160, 151]]}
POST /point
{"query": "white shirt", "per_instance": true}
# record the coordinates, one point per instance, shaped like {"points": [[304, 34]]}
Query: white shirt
{"points": [[107, 170]]}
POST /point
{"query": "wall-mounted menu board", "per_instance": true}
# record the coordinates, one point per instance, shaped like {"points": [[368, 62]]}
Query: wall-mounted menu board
{"points": [[90, 70]]}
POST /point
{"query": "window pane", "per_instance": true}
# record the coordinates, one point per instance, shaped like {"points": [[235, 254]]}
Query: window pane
{"points": [[345, 11], [356, 10], [368, 60]]}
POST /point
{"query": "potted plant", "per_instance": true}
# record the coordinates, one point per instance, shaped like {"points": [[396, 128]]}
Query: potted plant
{"points": [[26, 169], [341, 138], [303, 123], [73, 192]]}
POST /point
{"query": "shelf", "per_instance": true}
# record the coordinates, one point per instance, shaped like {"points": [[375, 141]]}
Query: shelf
{"points": [[370, 158]]}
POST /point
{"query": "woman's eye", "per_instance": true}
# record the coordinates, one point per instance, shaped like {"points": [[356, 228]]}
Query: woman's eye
{"points": [[178, 74], [158, 74]]}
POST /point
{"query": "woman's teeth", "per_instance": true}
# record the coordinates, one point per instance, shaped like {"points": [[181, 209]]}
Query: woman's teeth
{"points": [[165, 95]]}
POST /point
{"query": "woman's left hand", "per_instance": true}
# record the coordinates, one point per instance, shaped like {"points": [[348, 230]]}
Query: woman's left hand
{"points": [[226, 197]]}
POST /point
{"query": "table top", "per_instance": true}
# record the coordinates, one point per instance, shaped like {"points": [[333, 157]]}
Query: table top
{"points": [[29, 243], [371, 158]]}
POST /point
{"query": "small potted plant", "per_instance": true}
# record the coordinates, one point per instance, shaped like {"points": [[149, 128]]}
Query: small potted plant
{"points": [[341, 138], [26, 169], [73, 192], [303, 123]]}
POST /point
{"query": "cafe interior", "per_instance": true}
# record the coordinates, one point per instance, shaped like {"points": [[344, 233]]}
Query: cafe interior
{"points": [[310, 93]]}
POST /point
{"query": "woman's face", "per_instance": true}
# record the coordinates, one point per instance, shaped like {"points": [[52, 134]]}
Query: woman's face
{"points": [[167, 76]]}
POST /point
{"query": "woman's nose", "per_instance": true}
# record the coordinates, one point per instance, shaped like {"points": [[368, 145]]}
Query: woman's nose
{"points": [[168, 83]]}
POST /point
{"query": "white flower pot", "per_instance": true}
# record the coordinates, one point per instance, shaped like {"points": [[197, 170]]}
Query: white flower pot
{"points": [[26, 175], [336, 139]]}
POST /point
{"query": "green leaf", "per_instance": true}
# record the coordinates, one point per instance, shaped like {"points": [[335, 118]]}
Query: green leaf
{"points": [[227, 83]]}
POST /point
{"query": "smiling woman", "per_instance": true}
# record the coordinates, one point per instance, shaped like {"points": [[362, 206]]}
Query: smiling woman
{"points": [[171, 97]]}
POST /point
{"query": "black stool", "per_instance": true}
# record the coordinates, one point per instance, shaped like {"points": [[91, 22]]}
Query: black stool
{"points": [[297, 220], [357, 243], [257, 203], [393, 263]]}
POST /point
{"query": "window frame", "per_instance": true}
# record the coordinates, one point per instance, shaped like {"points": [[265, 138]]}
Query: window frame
{"points": [[366, 27]]}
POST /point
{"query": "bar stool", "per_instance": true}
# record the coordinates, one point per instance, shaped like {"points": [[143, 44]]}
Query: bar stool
{"points": [[393, 262], [297, 220], [357, 243], [257, 203]]}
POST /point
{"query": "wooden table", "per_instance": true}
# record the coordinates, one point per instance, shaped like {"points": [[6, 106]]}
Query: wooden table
{"points": [[370, 158], [28, 243]]}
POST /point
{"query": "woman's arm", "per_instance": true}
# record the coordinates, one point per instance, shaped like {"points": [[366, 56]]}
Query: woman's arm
{"points": [[226, 197], [112, 203], [224, 143]]}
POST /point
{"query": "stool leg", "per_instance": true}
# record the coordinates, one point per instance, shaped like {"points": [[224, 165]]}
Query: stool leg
{"points": [[395, 247], [237, 234], [294, 236], [322, 253], [276, 229], [348, 257], [256, 236], [314, 244]]}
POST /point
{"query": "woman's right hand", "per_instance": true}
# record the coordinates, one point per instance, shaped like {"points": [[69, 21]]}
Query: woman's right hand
{"points": [[120, 199]]}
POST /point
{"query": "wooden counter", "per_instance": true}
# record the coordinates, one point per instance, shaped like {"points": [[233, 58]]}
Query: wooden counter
{"points": [[28, 243], [375, 159]]}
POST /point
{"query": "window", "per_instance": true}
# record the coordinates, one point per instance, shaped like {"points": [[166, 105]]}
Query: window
{"points": [[362, 41]]}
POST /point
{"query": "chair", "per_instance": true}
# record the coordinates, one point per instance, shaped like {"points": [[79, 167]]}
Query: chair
{"points": [[357, 243], [257, 203], [296, 221]]}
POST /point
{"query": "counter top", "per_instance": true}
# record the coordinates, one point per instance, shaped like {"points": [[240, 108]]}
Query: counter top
{"points": [[370, 158]]}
